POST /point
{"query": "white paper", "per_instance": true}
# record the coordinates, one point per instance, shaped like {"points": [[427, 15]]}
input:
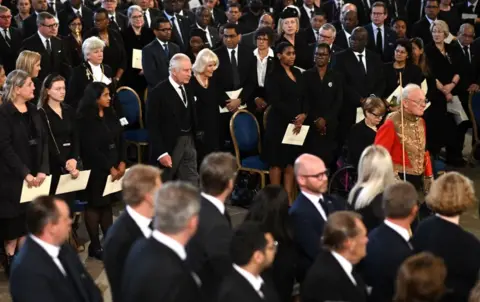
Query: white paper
{"points": [[295, 139], [194, 4], [232, 95], [67, 184], [29, 194], [113, 187], [449, 38], [424, 86], [301, 69], [395, 96], [360, 115], [469, 16], [455, 107], [137, 59]]}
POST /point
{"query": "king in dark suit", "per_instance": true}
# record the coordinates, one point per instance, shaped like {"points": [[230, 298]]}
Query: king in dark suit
{"points": [[139, 187], [47, 268], [171, 123]]}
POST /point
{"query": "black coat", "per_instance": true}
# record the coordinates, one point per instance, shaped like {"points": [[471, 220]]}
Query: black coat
{"points": [[150, 260], [389, 39], [411, 74], [30, 25], [184, 30], [421, 29], [209, 250], [360, 137], [213, 32], [235, 288], [372, 214], [414, 12], [67, 13], [17, 157], [327, 281], [121, 22], [341, 39], [303, 53], [463, 8], [9, 51], [249, 40], [331, 10], [155, 62], [363, 11], [35, 277], [119, 240], [386, 250], [162, 124], [73, 50], [458, 248]]}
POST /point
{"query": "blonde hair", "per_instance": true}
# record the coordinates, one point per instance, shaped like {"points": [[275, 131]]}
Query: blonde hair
{"points": [[204, 57], [451, 194], [16, 78], [442, 25], [138, 182], [372, 103], [375, 173], [47, 84], [280, 25], [26, 61]]}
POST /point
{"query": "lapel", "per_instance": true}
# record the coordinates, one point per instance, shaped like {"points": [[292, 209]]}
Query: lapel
{"points": [[175, 98], [76, 276], [307, 204], [345, 279], [371, 39], [369, 63]]}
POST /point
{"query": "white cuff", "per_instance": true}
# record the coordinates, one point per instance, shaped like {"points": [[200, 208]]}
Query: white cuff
{"points": [[164, 154]]}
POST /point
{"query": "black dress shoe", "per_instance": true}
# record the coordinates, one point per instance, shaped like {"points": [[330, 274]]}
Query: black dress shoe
{"points": [[95, 253]]}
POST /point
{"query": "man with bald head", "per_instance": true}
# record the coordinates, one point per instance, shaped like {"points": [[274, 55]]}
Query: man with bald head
{"points": [[310, 210], [348, 20]]}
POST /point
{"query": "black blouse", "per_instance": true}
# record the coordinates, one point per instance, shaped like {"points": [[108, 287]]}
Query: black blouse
{"points": [[411, 74], [361, 136]]}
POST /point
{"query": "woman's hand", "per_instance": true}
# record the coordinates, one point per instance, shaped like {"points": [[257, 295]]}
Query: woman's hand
{"points": [[39, 179], [75, 173], [448, 88], [30, 180], [121, 169], [449, 97], [114, 173], [71, 165], [297, 129], [299, 119]]}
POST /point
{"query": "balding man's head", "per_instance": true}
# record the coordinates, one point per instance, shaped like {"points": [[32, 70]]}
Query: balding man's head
{"points": [[311, 174], [414, 99], [349, 6]]}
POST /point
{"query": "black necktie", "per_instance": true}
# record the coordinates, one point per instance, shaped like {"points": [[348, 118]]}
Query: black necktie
{"points": [[261, 291], [312, 13], [7, 38], [49, 48], [379, 41], [145, 20], [150, 225], [467, 53], [165, 48], [235, 74], [112, 19], [176, 29], [360, 61], [184, 95], [322, 202]]}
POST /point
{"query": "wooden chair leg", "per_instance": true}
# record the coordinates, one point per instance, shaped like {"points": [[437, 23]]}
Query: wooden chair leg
{"points": [[139, 153], [262, 177]]}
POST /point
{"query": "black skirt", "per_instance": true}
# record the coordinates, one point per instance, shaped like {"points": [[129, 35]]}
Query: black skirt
{"points": [[13, 228]]}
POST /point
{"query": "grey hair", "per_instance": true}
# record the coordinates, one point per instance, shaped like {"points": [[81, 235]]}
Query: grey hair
{"points": [[442, 25], [41, 17], [328, 26], [349, 5], [132, 9], [176, 60], [91, 44], [4, 9], [409, 89], [462, 28], [175, 204], [16, 78], [204, 57]]}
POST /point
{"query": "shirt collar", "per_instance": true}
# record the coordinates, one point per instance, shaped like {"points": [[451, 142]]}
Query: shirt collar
{"points": [[93, 67], [169, 16], [430, 20], [43, 38], [170, 243], [77, 10], [51, 249], [204, 29], [400, 230], [142, 222], [376, 27], [173, 83], [361, 53], [344, 263], [230, 50], [215, 201], [255, 281], [308, 9], [111, 15], [161, 42], [270, 53], [312, 197]]}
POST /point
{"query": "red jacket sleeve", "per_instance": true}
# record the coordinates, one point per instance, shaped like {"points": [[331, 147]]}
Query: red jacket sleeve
{"points": [[386, 136]]}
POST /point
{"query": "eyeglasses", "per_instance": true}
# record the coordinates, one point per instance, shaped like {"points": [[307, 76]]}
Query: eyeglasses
{"points": [[431, 6], [262, 39], [54, 25], [419, 102], [318, 175], [376, 115], [164, 29], [468, 36], [326, 37], [6, 17], [402, 52], [75, 24], [137, 17], [378, 14]]}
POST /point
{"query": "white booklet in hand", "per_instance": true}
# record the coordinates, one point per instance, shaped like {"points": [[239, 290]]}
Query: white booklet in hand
{"points": [[291, 138], [137, 59], [67, 184], [232, 95], [113, 186], [29, 194]]}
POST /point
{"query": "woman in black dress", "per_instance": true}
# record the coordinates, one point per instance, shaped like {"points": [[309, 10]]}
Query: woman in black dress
{"points": [[270, 210], [114, 50], [207, 99], [375, 173], [135, 36], [284, 90], [103, 152], [441, 234], [60, 124], [23, 157], [73, 42]]}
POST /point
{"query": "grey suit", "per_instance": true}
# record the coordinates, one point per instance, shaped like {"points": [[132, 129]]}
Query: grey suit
{"points": [[249, 40]]}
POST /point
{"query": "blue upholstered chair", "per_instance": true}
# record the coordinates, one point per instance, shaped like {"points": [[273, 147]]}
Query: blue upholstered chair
{"points": [[245, 134], [132, 110]]}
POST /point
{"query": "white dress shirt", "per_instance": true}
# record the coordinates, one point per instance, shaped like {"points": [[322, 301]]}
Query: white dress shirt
{"points": [[146, 13], [163, 44], [346, 265], [400, 230], [230, 54], [364, 58], [207, 33], [142, 222], [430, 20], [44, 40], [77, 11], [473, 4], [215, 201], [262, 66], [110, 15], [170, 243], [52, 250], [177, 25], [347, 35], [382, 31], [315, 199], [310, 11], [255, 281], [98, 75]]}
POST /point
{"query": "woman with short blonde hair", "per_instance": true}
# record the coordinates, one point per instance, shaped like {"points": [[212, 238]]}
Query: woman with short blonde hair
{"points": [[205, 58], [29, 61]]}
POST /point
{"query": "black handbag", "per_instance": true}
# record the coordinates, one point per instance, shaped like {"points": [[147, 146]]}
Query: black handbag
{"points": [[63, 169], [246, 187]]}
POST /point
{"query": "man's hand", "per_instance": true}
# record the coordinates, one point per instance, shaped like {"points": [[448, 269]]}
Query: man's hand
{"points": [[321, 125], [121, 169], [166, 161], [232, 105], [74, 174], [261, 104], [297, 129], [473, 88]]}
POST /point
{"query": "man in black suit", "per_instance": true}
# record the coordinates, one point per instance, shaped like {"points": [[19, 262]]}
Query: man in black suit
{"points": [[233, 13], [307, 11], [415, 11], [349, 21], [10, 40], [362, 71], [421, 28], [319, 19], [118, 21], [54, 58], [253, 251], [469, 12], [332, 276], [180, 25], [171, 123], [266, 20], [363, 8], [310, 210], [156, 55], [208, 33], [333, 10], [75, 8], [218, 15], [381, 39], [252, 14], [47, 268], [30, 23], [155, 268], [149, 14], [388, 244], [139, 186], [208, 251]]}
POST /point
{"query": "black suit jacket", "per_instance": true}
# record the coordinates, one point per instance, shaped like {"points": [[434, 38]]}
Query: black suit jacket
{"points": [[386, 250], [120, 238], [121, 22], [327, 281], [153, 272], [421, 29], [67, 13], [307, 226], [249, 40], [363, 10], [469, 73], [30, 25], [246, 63], [209, 250], [331, 10], [235, 288], [35, 277], [155, 62], [219, 17], [184, 29], [57, 62], [304, 17], [9, 51], [214, 36], [341, 39], [162, 123], [463, 8], [414, 11], [310, 36], [389, 39]]}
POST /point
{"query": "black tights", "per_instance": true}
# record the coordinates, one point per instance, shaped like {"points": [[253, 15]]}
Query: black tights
{"points": [[95, 216]]}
